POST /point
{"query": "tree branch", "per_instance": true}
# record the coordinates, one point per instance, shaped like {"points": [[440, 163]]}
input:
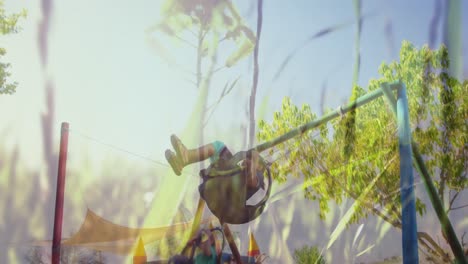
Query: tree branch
{"points": [[459, 207], [463, 239], [391, 194], [201, 36], [218, 69], [423, 236], [185, 41], [442, 187], [370, 206], [452, 200]]}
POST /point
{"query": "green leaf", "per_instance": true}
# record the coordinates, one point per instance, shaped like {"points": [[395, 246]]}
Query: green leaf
{"points": [[246, 47], [8, 25]]}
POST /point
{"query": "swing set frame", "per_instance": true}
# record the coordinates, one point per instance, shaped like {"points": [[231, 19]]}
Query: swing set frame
{"points": [[409, 157]]}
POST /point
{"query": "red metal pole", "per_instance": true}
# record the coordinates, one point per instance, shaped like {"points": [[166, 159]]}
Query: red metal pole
{"points": [[60, 192]]}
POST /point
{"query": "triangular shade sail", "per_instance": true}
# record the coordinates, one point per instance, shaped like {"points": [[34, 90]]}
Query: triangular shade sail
{"points": [[102, 235]]}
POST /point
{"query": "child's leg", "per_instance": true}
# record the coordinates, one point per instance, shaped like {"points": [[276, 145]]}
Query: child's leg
{"points": [[184, 156], [189, 156]]}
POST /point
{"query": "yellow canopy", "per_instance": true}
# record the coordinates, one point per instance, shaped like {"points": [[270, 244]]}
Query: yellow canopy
{"points": [[100, 234]]}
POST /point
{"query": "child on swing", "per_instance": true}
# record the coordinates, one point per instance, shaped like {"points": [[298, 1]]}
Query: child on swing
{"points": [[215, 151]]}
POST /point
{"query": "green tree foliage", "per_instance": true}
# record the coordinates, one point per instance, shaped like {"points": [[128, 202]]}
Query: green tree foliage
{"points": [[8, 25], [214, 21], [308, 255], [438, 111]]}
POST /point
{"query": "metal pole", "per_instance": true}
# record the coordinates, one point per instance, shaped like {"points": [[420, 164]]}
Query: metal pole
{"points": [[232, 243], [60, 192], [324, 119], [446, 226], [445, 223], [317, 122], [408, 204]]}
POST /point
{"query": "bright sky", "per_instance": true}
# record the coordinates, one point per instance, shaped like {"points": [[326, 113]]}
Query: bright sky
{"points": [[112, 85]]}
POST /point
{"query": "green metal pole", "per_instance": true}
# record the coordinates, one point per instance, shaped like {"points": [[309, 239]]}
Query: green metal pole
{"points": [[447, 227], [420, 166], [316, 123]]}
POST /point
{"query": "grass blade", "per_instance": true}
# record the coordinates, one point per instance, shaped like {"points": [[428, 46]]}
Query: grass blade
{"points": [[321, 33], [365, 251]]}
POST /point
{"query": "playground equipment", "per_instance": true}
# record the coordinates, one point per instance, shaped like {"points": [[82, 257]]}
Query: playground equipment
{"points": [[230, 179], [408, 151], [225, 182], [253, 255]]}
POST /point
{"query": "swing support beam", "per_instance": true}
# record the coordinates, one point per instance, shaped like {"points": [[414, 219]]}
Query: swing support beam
{"points": [[409, 155], [324, 119], [408, 205]]}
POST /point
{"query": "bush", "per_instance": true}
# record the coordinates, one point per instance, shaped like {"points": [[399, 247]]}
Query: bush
{"points": [[308, 255]]}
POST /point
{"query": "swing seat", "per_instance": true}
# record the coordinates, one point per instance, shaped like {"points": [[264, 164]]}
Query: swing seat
{"points": [[226, 193]]}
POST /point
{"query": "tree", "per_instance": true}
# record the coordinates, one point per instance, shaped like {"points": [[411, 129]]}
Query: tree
{"points": [[8, 25], [205, 26], [210, 22], [308, 255], [438, 112]]}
